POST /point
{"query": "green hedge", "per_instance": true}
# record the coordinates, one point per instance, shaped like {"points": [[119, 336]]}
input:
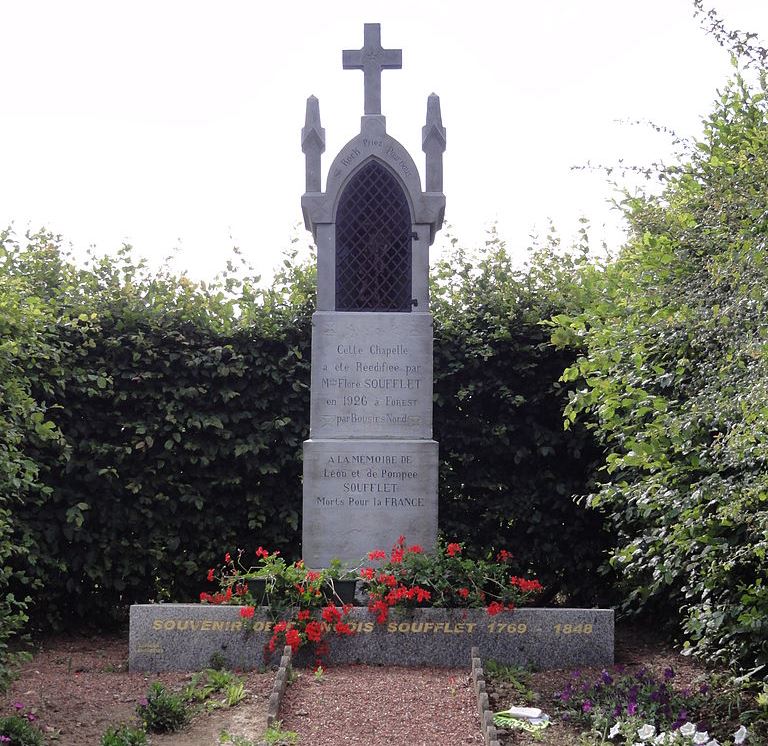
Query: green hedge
{"points": [[183, 407]]}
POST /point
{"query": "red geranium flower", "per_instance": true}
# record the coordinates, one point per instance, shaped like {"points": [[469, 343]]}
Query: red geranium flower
{"points": [[331, 614], [397, 555], [494, 608], [227, 558], [210, 575], [367, 573], [342, 628], [463, 592], [503, 555], [314, 631], [416, 549], [247, 612], [293, 639], [377, 554], [388, 580], [261, 552], [380, 609], [453, 549], [527, 586], [303, 615]]}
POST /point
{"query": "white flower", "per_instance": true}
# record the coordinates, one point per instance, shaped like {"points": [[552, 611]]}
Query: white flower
{"points": [[646, 732], [740, 735], [688, 729], [701, 737], [613, 732], [713, 742]]}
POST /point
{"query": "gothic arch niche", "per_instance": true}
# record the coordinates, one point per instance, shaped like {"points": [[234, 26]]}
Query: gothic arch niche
{"points": [[373, 243]]}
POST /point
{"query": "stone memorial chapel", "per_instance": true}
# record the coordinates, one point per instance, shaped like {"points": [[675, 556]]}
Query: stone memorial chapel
{"points": [[370, 464]]}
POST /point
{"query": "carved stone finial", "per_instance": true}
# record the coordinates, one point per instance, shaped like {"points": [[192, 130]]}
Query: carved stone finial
{"points": [[433, 144], [372, 59], [312, 144]]}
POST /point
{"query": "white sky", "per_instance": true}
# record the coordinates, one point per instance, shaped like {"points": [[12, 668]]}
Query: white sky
{"points": [[175, 125]]}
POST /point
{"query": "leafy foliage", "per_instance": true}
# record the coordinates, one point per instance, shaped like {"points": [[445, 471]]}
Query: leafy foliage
{"points": [[674, 381], [183, 407], [176, 412], [163, 711], [20, 731], [124, 735], [508, 470], [24, 426]]}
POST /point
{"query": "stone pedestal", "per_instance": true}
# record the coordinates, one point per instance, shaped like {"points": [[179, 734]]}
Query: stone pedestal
{"points": [[361, 495], [370, 466]]}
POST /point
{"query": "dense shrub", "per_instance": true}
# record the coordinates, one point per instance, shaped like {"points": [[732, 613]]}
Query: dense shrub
{"points": [[24, 319], [184, 406], [508, 470], [675, 383], [184, 425]]}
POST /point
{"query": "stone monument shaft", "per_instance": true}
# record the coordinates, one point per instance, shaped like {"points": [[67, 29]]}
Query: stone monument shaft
{"points": [[370, 464]]}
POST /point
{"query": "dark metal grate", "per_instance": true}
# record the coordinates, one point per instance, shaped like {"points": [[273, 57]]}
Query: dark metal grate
{"points": [[373, 244]]}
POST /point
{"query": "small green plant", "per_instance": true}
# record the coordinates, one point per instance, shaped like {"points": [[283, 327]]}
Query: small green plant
{"points": [[276, 736], [234, 694], [163, 711], [123, 735], [319, 673], [20, 730], [513, 676]]}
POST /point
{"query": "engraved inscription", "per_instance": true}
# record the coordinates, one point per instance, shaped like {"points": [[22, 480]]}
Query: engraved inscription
{"points": [[370, 380], [386, 481]]}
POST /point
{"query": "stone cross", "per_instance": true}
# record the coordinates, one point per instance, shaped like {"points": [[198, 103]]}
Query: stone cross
{"points": [[372, 59]]}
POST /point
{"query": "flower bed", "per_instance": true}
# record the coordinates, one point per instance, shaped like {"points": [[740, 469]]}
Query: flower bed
{"points": [[306, 607]]}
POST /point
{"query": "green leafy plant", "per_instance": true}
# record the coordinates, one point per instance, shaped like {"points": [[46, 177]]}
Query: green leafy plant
{"points": [[234, 694], [511, 677], [124, 735], [278, 737], [209, 682], [674, 381], [235, 740], [162, 711], [20, 730]]}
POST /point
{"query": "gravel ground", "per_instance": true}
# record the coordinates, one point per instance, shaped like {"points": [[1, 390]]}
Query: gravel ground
{"points": [[379, 706], [79, 686]]}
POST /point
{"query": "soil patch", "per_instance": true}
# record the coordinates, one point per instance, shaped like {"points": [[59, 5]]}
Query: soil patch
{"points": [[77, 687]]}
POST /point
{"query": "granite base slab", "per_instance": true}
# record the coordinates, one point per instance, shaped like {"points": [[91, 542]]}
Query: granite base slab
{"points": [[184, 637]]}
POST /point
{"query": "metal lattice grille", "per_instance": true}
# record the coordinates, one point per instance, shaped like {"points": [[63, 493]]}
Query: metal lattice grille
{"points": [[373, 244]]}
